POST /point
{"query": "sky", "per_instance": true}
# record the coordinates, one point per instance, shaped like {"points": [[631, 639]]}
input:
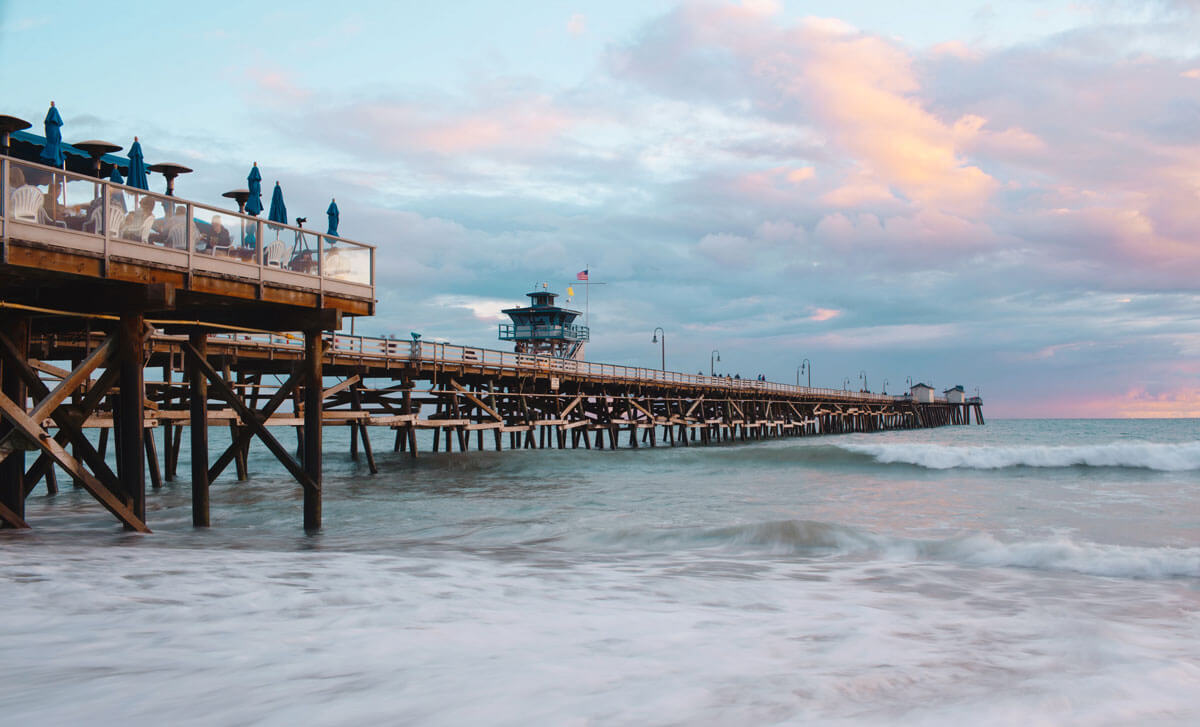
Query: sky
{"points": [[1000, 195]]}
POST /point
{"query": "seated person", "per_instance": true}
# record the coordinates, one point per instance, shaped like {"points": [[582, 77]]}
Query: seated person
{"points": [[136, 221], [218, 235], [56, 213]]}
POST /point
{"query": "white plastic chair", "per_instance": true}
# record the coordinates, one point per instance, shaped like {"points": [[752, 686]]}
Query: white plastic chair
{"points": [[177, 233], [27, 204], [274, 253], [116, 217]]}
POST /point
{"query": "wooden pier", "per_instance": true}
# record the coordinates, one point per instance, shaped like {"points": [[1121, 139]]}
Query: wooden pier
{"points": [[246, 340]]}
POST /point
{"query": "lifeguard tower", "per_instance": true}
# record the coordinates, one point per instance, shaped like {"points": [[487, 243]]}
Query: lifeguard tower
{"points": [[544, 329]]}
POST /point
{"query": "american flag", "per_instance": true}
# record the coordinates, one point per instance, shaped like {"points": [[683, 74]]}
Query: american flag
{"points": [[581, 275]]}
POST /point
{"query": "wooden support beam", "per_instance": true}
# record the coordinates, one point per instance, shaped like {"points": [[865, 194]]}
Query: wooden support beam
{"points": [[197, 349], [131, 466], [13, 387], [313, 358]]}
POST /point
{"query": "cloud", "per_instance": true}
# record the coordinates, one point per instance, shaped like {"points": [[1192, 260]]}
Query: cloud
{"points": [[577, 24], [1022, 217], [824, 314]]}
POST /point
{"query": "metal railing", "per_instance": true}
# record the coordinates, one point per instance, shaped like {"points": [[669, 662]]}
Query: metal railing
{"points": [[382, 350], [513, 332], [51, 206]]}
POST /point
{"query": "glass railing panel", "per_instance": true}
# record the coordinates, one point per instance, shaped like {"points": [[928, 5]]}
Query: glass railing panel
{"points": [[305, 251], [37, 194], [151, 220], [346, 260], [221, 233], [80, 203]]}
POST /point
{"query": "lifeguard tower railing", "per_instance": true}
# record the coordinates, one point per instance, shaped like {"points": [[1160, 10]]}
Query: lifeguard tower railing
{"points": [[513, 332], [46, 206]]}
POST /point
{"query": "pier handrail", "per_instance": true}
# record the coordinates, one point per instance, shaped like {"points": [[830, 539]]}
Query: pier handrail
{"points": [[332, 262], [422, 351]]}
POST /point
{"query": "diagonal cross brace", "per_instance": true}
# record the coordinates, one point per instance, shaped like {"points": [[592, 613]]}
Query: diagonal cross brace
{"points": [[65, 421], [19, 419], [245, 435], [95, 394], [65, 388], [223, 390]]}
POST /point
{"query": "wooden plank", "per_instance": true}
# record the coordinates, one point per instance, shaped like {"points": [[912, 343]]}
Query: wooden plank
{"points": [[476, 401], [341, 386], [51, 369]]}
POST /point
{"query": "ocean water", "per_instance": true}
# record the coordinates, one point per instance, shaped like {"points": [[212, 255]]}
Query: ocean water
{"points": [[1025, 572]]}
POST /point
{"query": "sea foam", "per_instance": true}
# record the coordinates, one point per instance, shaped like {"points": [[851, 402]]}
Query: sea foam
{"points": [[1167, 457]]}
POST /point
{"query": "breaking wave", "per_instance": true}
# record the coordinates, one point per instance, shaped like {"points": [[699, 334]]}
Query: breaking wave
{"points": [[814, 539], [1166, 457]]}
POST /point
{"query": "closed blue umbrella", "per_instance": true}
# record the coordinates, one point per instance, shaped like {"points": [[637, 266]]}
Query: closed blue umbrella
{"points": [[334, 215], [137, 167], [52, 152], [254, 201], [115, 177], [278, 212]]}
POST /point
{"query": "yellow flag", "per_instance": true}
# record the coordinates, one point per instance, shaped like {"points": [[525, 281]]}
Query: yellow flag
{"points": [[570, 292]]}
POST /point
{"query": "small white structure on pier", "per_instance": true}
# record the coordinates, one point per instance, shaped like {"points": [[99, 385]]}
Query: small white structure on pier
{"points": [[922, 393], [955, 395]]}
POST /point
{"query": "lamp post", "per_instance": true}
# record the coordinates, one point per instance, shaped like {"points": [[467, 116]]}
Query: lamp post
{"points": [[805, 366], [846, 384], [658, 330], [885, 383], [863, 375], [712, 369]]}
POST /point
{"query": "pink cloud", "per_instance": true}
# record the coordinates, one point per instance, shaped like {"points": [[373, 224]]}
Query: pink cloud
{"points": [[824, 314]]}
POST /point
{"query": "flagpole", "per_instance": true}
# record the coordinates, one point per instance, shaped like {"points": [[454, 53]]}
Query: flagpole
{"points": [[587, 294]]}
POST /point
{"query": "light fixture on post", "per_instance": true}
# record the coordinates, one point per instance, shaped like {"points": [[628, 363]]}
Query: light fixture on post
{"points": [[657, 330]]}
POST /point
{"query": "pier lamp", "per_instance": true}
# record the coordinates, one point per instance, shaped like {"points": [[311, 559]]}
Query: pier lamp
{"points": [[658, 330], [712, 369], [846, 384], [170, 170], [863, 375], [96, 149], [885, 383], [240, 196], [805, 365], [9, 124]]}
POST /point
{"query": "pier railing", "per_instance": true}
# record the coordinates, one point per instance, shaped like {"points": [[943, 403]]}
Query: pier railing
{"points": [[49, 206], [434, 353]]}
